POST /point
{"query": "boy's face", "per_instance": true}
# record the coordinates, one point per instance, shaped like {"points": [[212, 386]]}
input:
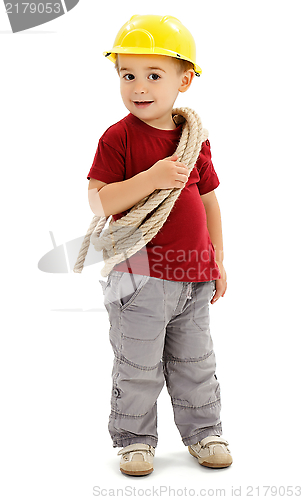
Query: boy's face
{"points": [[149, 86]]}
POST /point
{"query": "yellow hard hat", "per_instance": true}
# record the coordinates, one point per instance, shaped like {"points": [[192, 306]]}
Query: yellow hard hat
{"points": [[150, 34]]}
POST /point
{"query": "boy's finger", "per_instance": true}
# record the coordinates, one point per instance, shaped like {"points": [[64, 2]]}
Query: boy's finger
{"points": [[179, 164], [174, 157], [215, 298]]}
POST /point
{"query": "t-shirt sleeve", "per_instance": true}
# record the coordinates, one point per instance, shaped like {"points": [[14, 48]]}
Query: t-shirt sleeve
{"points": [[208, 177], [108, 165]]}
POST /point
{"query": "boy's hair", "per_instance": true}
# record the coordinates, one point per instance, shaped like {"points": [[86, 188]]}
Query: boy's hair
{"points": [[181, 65]]}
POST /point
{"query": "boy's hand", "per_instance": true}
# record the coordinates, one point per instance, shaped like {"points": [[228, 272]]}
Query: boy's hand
{"points": [[168, 173], [221, 284]]}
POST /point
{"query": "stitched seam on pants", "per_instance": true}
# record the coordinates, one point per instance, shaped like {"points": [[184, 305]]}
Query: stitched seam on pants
{"points": [[178, 302], [127, 415], [127, 436], [140, 340], [211, 404], [115, 377], [193, 314], [202, 329], [114, 401], [122, 359], [215, 427], [189, 360]]}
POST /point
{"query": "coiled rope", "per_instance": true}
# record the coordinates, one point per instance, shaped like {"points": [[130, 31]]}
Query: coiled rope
{"points": [[126, 236]]}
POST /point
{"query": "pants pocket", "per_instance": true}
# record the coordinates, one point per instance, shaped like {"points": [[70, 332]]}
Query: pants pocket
{"points": [[110, 287], [129, 287], [204, 292]]}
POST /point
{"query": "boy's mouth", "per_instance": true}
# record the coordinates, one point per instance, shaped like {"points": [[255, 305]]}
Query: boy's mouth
{"points": [[142, 104]]}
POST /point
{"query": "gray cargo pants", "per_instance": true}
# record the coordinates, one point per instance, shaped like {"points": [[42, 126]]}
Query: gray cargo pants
{"points": [[159, 332]]}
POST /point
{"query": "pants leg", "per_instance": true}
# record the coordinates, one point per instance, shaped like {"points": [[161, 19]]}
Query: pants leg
{"points": [[137, 330], [189, 366]]}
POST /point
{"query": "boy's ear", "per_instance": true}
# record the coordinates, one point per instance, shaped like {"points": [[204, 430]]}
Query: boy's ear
{"points": [[187, 79]]}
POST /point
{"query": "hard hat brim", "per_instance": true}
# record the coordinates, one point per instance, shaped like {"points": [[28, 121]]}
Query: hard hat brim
{"points": [[111, 55]]}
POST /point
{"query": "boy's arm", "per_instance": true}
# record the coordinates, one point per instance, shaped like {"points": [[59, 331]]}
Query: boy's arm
{"points": [[214, 224], [116, 197], [214, 227]]}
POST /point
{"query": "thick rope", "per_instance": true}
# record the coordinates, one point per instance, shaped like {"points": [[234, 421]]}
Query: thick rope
{"points": [[126, 236]]}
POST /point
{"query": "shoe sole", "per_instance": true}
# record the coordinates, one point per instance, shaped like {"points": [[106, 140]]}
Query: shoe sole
{"points": [[136, 472], [221, 465]]}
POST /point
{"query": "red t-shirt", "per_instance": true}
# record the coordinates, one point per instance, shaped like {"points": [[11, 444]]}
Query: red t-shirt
{"points": [[182, 249]]}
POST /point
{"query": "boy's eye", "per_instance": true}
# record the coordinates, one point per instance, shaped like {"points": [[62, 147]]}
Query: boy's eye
{"points": [[154, 76], [128, 77]]}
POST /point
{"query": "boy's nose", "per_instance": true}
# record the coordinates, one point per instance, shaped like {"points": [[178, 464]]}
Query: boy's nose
{"points": [[140, 88]]}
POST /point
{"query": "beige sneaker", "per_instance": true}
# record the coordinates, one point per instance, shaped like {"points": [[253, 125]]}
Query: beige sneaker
{"points": [[212, 451], [137, 459]]}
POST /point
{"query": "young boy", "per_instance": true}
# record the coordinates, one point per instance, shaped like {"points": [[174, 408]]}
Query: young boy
{"points": [[159, 331]]}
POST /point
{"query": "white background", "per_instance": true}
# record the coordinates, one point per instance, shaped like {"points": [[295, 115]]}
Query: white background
{"points": [[58, 96]]}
